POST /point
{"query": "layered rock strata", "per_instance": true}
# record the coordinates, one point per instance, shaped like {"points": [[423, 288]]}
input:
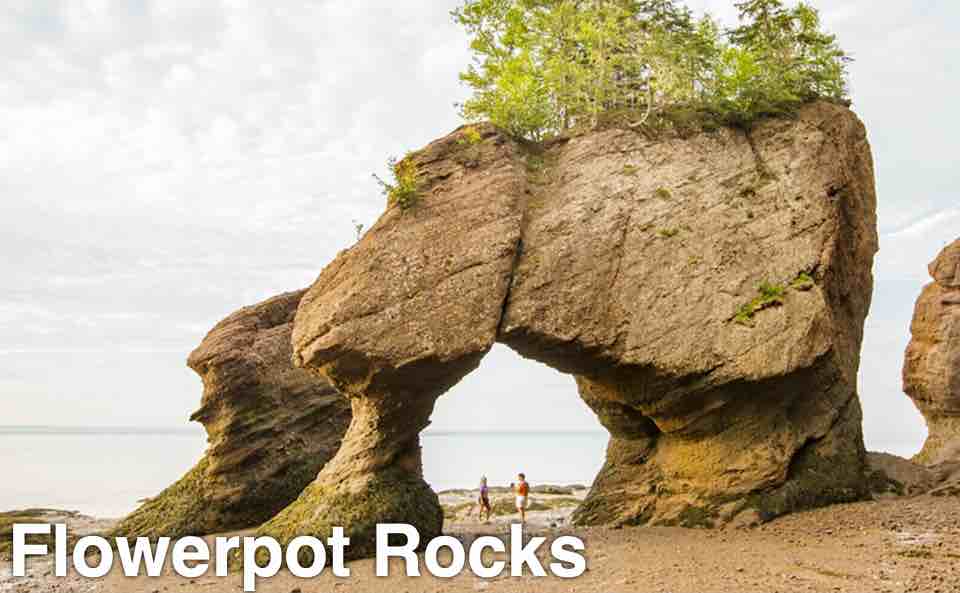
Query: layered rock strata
{"points": [[271, 427], [931, 369]]}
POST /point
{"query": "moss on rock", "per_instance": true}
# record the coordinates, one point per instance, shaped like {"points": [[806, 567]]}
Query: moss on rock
{"points": [[390, 497]]}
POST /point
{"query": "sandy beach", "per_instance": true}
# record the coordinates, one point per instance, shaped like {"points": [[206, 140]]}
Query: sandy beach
{"points": [[892, 545]]}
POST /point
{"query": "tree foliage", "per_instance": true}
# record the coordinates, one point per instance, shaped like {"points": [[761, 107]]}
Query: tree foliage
{"points": [[543, 66]]}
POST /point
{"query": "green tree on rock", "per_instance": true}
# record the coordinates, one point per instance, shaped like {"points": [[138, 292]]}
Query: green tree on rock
{"points": [[543, 66]]}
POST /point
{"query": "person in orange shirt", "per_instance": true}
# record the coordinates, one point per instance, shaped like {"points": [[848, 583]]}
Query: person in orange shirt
{"points": [[522, 490]]}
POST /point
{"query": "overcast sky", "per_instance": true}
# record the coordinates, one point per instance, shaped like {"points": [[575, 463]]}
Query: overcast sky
{"points": [[163, 163]]}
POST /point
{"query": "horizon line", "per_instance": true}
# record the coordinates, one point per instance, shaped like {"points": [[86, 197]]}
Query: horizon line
{"points": [[55, 428]]}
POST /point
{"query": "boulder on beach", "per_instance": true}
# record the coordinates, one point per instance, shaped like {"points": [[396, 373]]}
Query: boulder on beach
{"points": [[706, 290], [890, 475]]}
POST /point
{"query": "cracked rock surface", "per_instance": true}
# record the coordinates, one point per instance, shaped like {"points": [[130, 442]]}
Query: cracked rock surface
{"points": [[707, 292]]}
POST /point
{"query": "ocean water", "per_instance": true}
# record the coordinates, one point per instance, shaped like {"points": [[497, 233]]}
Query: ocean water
{"points": [[104, 472]]}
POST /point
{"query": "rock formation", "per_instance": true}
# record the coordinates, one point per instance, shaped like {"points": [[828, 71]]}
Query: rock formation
{"points": [[931, 370], [889, 476], [270, 427], [708, 293]]}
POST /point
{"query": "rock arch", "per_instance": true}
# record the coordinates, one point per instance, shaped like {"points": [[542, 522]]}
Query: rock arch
{"points": [[707, 292]]}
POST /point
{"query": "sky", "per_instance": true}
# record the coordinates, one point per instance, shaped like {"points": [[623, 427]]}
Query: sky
{"points": [[163, 163]]}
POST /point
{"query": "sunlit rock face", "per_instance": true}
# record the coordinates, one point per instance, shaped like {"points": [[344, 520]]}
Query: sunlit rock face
{"points": [[707, 291], [931, 370]]}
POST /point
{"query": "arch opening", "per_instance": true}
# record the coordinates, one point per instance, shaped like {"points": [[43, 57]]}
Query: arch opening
{"points": [[512, 415]]}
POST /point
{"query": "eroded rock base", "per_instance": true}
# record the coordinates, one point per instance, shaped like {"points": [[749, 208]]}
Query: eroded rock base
{"points": [[762, 451]]}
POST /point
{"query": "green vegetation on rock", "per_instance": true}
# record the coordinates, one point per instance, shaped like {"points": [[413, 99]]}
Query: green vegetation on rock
{"points": [[544, 66], [470, 137], [190, 505], [405, 190], [802, 282], [769, 295], [390, 497], [10, 518]]}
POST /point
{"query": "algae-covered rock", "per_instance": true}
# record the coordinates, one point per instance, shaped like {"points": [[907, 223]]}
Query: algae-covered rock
{"points": [[270, 427], [708, 293], [931, 369]]}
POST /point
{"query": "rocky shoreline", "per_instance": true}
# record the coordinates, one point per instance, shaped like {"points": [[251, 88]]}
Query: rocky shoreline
{"points": [[901, 541]]}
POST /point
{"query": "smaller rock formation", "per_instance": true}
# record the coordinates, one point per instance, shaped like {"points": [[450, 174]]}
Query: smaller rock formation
{"points": [[271, 428], [890, 475], [931, 370]]}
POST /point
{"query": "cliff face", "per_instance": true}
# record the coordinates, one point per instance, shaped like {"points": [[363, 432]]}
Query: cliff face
{"points": [[270, 427], [931, 370], [708, 293]]}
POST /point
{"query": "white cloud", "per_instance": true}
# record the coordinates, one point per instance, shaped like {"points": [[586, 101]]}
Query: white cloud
{"points": [[173, 160], [928, 223]]}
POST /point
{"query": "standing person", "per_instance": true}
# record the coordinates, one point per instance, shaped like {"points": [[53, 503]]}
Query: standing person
{"points": [[483, 502], [522, 489]]}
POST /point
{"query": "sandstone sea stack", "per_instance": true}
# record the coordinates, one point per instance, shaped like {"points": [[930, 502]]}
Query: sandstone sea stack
{"points": [[931, 370], [270, 427], [707, 291]]}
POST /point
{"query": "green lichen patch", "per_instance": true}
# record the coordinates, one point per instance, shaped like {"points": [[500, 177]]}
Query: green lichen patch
{"points": [[662, 193], [803, 282], [668, 233], [771, 295], [768, 295]]}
